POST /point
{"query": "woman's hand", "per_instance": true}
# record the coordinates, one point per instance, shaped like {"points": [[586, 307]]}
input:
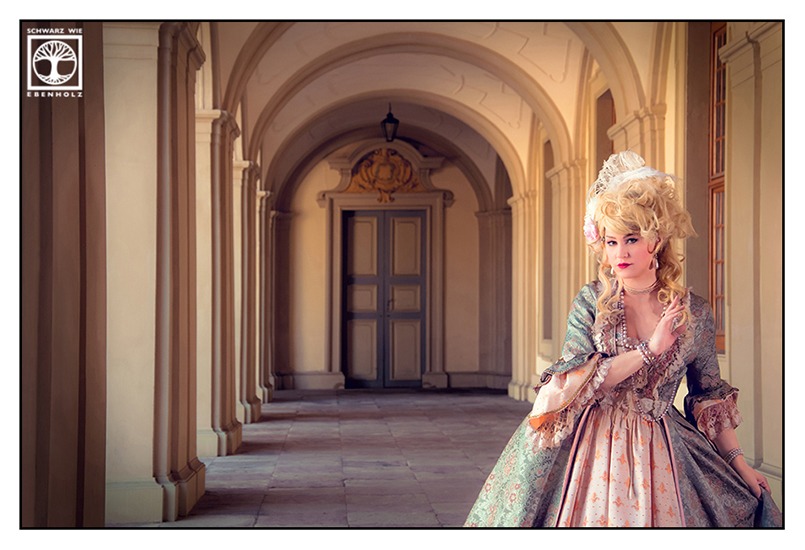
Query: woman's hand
{"points": [[667, 330], [753, 479]]}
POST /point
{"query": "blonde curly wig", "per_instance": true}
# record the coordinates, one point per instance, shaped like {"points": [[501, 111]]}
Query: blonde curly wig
{"points": [[629, 197]]}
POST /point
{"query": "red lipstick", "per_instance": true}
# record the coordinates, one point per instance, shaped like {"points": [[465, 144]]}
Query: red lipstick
{"points": [[623, 266]]}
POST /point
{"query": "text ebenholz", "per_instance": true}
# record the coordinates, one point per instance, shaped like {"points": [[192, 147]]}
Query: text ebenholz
{"points": [[55, 59]]}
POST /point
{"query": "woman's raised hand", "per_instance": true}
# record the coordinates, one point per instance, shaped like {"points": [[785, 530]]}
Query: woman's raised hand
{"points": [[668, 328]]}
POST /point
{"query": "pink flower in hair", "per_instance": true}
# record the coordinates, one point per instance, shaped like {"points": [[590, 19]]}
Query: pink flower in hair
{"points": [[590, 230]]}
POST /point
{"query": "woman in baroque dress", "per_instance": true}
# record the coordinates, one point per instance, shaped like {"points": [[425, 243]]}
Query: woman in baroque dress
{"points": [[603, 445]]}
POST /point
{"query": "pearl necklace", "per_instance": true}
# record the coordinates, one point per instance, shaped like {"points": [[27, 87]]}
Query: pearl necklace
{"points": [[641, 290], [622, 340], [623, 334]]}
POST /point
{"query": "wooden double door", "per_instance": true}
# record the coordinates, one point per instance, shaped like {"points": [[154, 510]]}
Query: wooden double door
{"points": [[384, 297]]}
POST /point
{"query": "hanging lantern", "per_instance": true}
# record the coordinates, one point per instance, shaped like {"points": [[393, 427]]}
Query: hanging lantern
{"points": [[389, 126]]}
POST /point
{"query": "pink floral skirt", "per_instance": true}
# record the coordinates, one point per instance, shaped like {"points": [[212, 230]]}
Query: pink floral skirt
{"points": [[621, 473]]}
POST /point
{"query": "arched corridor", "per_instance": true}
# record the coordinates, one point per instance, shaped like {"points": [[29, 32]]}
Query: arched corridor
{"points": [[358, 458], [218, 222]]}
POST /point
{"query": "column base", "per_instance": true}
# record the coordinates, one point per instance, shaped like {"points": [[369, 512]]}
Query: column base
{"points": [[209, 441], [251, 410], [133, 502], [488, 380], [520, 391], [267, 392], [190, 484], [233, 436], [312, 381], [435, 380]]}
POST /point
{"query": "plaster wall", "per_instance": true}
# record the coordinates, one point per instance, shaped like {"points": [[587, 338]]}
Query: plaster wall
{"points": [[307, 273], [461, 289]]}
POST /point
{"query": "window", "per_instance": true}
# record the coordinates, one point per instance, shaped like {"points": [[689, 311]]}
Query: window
{"points": [[605, 119], [717, 141]]}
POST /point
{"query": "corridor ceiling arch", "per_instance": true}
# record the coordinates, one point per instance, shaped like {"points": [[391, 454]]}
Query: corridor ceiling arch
{"points": [[459, 59], [281, 74], [441, 116], [261, 38], [464, 151], [618, 66]]}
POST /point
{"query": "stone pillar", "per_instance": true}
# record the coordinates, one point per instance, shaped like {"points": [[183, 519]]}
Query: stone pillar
{"points": [[279, 306], [63, 301], [754, 251], [238, 254], [643, 132], [568, 262], [495, 300], [270, 300], [224, 421], [525, 213], [176, 466], [207, 438], [130, 74], [264, 374], [248, 403]]}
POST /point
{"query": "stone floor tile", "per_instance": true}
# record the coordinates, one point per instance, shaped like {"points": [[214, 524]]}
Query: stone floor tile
{"points": [[452, 507], [306, 479], [306, 520], [358, 458], [453, 521], [378, 472], [203, 521], [386, 520], [387, 487]]}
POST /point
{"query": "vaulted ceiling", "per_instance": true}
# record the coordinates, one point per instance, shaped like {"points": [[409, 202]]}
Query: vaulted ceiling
{"points": [[465, 90]]}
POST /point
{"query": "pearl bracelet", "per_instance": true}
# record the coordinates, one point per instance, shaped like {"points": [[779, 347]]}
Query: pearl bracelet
{"points": [[731, 455], [645, 353]]}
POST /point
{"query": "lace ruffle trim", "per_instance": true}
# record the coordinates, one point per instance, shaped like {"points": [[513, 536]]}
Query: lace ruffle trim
{"points": [[716, 415], [551, 428]]}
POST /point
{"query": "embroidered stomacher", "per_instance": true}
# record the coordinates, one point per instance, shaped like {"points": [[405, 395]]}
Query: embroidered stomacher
{"points": [[716, 415], [563, 397]]}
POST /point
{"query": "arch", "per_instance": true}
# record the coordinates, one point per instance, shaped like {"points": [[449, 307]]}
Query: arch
{"points": [[204, 76], [612, 55], [260, 40], [663, 41], [284, 188], [304, 165], [424, 43]]}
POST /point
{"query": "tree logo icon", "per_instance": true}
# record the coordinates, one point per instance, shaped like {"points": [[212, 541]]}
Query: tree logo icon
{"points": [[53, 57], [54, 62]]}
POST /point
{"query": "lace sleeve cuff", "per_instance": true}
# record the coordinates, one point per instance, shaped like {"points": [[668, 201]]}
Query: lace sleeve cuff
{"points": [[716, 415], [561, 399]]}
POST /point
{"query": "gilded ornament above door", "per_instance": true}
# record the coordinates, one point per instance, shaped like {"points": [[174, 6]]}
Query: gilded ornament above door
{"points": [[386, 172]]}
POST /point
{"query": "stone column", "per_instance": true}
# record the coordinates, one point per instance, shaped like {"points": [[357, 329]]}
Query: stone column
{"points": [[224, 421], [643, 132], [130, 75], [63, 300], [278, 300], [495, 346], [754, 252], [569, 261], [248, 403], [176, 467], [265, 375], [207, 438], [238, 254], [525, 214], [270, 300]]}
